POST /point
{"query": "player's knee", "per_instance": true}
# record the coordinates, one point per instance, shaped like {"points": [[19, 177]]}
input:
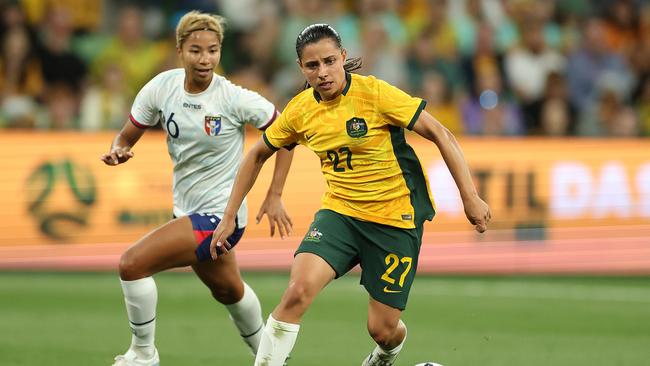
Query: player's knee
{"points": [[381, 336], [129, 268], [227, 294], [298, 295], [382, 332]]}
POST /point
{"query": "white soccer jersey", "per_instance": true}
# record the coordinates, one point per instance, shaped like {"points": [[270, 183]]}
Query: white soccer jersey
{"points": [[205, 136]]}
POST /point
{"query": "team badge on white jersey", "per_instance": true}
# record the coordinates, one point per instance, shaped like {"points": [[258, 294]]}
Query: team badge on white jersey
{"points": [[212, 125]]}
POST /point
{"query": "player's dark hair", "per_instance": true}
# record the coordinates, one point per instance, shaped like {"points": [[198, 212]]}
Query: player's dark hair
{"points": [[315, 33]]}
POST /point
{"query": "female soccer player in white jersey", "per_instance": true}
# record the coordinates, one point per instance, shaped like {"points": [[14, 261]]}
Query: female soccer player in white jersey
{"points": [[203, 115]]}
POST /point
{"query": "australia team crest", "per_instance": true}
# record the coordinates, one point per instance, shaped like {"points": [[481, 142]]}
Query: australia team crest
{"points": [[356, 127], [212, 125], [314, 235]]}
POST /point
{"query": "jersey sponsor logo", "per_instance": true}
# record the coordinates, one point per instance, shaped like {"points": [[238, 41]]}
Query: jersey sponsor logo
{"points": [[407, 217], [314, 235], [212, 125], [356, 127], [191, 106], [389, 291]]}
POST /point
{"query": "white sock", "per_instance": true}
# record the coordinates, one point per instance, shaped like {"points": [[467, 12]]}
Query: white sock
{"points": [[390, 355], [247, 316], [141, 297], [277, 342]]}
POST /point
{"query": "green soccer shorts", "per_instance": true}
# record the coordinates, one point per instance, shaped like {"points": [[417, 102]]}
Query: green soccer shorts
{"points": [[388, 255]]}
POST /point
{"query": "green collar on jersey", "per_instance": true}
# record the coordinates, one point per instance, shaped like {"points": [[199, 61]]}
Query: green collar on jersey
{"points": [[348, 79]]}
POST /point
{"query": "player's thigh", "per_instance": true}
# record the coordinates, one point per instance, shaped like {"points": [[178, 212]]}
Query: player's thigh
{"points": [[332, 237], [389, 258], [326, 252], [311, 271], [382, 317], [309, 275], [222, 277], [169, 246]]}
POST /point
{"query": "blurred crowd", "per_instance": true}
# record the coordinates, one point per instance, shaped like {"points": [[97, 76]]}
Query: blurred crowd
{"points": [[485, 67]]}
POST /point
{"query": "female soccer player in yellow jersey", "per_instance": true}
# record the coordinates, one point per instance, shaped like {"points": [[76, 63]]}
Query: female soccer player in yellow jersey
{"points": [[377, 199]]}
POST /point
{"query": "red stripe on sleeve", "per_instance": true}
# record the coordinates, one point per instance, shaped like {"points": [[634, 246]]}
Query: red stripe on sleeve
{"points": [[270, 122], [136, 123]]}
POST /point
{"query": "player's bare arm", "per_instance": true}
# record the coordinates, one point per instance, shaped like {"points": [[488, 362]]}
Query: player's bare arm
{"points": [[246, 177], [272, 206], [121, 147], [476, 210]]}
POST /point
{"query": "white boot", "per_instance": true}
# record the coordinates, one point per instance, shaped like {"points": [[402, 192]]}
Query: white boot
{"points": [[131, 359]]}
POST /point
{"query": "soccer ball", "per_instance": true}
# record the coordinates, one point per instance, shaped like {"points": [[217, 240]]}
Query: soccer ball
{"points": [[428, 364]]}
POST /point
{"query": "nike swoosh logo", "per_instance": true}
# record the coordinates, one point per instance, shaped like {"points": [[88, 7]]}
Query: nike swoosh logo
{"points": [[387, 290], [309, 137]]}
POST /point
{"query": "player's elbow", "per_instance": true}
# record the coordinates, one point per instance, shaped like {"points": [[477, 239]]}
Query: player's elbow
{"points": [[445, 135]]}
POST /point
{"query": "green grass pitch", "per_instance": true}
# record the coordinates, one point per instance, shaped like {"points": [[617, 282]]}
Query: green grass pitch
{"points": [[79, 319]]}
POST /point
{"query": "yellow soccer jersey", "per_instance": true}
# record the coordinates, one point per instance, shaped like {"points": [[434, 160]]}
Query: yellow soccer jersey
{"points": [[371, 172]]}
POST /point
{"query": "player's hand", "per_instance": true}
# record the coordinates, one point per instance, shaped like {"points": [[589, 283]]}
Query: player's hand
{"points": [[219, 237], [117, 156], [478, 213], [273, 208]]}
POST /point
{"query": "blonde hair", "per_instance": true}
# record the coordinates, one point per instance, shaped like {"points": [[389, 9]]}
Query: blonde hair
{"points": [[196, 21]]}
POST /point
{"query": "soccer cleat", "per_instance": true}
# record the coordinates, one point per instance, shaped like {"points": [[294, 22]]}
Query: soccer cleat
{"points": [[130, 359], [379, 360]]}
